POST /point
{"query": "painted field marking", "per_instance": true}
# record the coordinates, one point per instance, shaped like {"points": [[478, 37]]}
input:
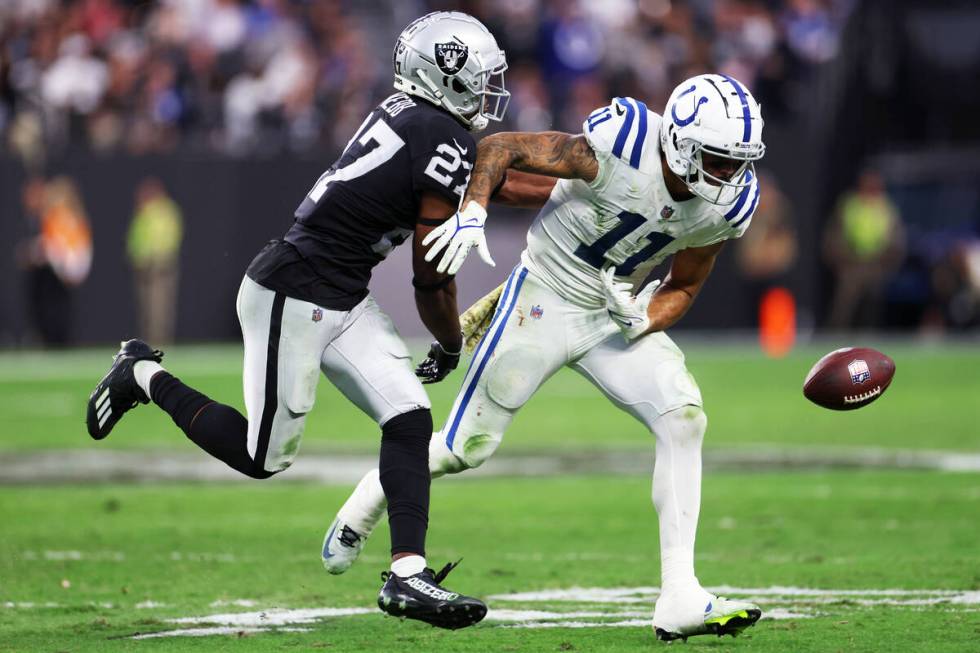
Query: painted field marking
{"points": [[585, 607], [87, 466]]}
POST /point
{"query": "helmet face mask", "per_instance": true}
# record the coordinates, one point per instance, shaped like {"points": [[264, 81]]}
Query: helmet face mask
{"points": [[451, 60], [712, 188], [496, 97], [712, 115]]}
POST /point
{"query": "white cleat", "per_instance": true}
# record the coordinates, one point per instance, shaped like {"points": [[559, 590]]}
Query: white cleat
{"points": [[354, 523], [680, 614], [341, 547]]}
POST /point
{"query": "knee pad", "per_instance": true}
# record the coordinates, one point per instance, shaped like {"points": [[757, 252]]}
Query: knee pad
{"points": [[442, 461], [514, 376], [476, 449], [684, 426]]}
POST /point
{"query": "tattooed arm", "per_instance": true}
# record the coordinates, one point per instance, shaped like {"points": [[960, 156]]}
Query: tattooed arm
{"points": [[524, 190], [554, 154], [549, 153]]}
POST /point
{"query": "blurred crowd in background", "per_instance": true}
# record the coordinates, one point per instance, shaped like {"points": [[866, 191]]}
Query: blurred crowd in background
{"points": [[266, 78], [254, 76]]}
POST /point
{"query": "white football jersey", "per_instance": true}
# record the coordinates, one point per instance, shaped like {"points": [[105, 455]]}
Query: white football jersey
{"points": [[625, 217]]}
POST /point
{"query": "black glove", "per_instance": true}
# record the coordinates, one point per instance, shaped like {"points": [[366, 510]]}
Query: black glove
{"points": [[437, 365]]}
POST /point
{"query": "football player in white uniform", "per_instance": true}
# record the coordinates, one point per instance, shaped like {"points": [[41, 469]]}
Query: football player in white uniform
{"points": [[634, 189]]}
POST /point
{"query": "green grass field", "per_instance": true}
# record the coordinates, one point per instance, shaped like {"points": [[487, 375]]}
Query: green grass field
{"points": [[749, 400], [862, 560]]}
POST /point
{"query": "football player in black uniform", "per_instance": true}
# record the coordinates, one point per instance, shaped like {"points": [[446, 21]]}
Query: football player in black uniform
{"points": [[304, 305]]}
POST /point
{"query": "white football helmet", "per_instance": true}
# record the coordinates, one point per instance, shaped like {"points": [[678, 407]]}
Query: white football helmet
{"points": [[450, 59], [718, 115]]}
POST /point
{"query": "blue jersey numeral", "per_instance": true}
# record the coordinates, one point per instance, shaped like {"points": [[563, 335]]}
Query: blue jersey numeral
{"points": [[596, 118], [595, 254]]}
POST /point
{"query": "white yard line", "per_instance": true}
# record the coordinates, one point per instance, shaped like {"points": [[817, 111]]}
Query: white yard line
{"points": [[90, 465], [274, 617], [628, 623], [588, 607], [219, 630], [573, 607]]}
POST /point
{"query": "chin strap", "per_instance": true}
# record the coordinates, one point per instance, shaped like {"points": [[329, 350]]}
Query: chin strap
{"points": [[439, 95]]}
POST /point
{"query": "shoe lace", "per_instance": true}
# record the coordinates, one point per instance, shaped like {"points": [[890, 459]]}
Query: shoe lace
{"points": [[349, 537], [442, 573]]}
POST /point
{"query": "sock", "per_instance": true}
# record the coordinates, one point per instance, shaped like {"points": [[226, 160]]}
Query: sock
{"points": [[218, 429], [363, 509], [407, 566], [144, 371], [404, 471], [677, 568], [677, 491]]}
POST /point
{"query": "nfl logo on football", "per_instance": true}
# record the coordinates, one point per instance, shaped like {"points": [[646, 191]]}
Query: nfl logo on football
{"points": [[859, 371]]}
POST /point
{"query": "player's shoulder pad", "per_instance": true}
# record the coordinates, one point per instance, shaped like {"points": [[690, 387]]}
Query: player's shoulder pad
{"points": [[738, 214], [431, 126], [621, 129]]}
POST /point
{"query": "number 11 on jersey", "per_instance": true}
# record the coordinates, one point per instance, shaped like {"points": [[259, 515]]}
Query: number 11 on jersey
{"points": [[595, 254]]}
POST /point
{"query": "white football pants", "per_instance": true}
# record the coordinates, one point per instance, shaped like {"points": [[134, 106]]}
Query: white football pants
{"points": [[533, 334], [288, 342]]}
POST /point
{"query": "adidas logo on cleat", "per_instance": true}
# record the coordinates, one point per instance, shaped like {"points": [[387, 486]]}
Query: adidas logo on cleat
{"points": [[103, 407], [118, 390]]}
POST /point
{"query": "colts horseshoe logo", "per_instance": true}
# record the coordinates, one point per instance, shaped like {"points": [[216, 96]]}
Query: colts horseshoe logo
{"points": [[680, 122]]}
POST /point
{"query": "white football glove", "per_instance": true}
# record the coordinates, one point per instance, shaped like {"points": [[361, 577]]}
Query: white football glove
{"points": [[627, 310], [458, 235]]}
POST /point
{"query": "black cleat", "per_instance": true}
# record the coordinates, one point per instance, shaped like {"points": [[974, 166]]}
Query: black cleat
{"points": [[118, 391], [420, 597]]}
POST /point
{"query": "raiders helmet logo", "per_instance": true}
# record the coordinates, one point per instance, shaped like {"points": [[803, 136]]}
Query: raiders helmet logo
{"points": [[451, 57]]}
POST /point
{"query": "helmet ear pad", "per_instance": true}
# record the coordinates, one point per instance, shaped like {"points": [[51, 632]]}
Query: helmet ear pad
{"points": [[676, 161]]}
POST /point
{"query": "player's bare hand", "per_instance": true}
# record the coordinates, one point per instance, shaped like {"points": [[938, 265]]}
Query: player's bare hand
{"points": [[627, 310], [457, 236], [437, 365]]}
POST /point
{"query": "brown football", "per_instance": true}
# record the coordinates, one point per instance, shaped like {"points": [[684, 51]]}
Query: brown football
{"points": [[849, 378]]}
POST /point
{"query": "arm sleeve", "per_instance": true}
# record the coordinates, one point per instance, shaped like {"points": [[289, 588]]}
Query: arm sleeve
{"points": [[442, 154], [617, 132]]}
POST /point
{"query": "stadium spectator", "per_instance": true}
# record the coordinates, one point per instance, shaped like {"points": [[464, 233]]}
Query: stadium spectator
{"points": [[153, 246], [264, 75], [57, 258], [964, 305], [955, 285], [864, 244]]}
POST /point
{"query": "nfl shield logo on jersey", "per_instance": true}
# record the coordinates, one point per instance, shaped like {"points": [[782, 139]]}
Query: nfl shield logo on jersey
{"points": [[666, 212], [317, 314], [536, 312], [859, 371], [451, 57]]}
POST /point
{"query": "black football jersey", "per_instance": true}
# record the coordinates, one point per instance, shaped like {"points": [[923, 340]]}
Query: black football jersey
{"points": [[367, 202]]}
